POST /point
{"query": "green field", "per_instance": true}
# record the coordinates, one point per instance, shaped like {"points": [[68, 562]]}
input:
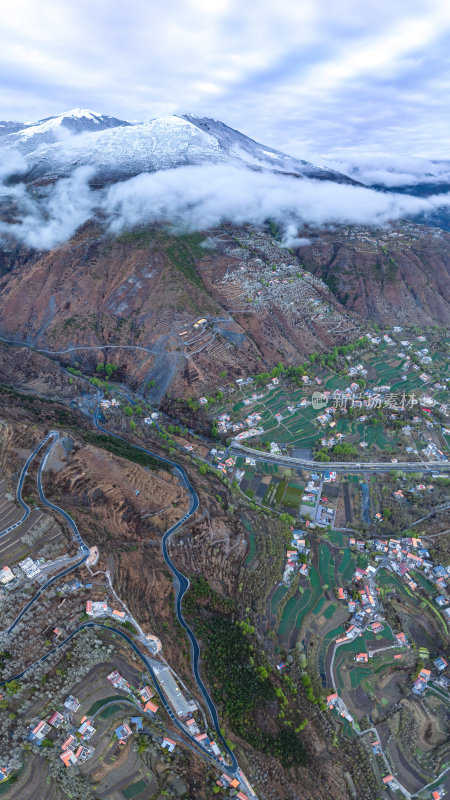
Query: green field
{"points": [[347, 566], [328, 613], [134, 789], [314, 597], [337, 537], [293, 495], [108, 712], [290, 613], [389, 580], [276, 597], [358, 674], [319, 606], [100, 703]]}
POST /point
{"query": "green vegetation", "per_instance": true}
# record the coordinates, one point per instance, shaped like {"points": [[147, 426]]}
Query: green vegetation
{"points": [[134, 789], [123, 449], [242, 680]]}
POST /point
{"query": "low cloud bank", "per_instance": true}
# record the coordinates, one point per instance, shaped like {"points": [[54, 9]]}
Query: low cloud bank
{"points": [[390, 170], [198, 198]]}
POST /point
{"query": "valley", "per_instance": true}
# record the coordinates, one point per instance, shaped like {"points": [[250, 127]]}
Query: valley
{"points": [[224, 471]]}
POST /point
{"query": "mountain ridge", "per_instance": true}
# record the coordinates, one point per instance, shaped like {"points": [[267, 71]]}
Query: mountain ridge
{"points": [[117, 149]]}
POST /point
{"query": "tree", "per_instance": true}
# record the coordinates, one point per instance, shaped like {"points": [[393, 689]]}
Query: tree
{"points": [[128, 411], [109, 369], [132, 425], [202, 469]]}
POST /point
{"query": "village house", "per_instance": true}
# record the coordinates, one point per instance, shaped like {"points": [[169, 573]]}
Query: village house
{"points": [[6, 575], [40, 731], [70, 743], [362, 658], [440, 663], [123, 731], [56, 719], [68, 757], [72, 703], [168, 744], [96, 608]]}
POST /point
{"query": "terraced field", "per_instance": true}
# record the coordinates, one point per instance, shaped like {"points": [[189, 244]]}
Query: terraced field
{"points": [[347, 566], [277, 597]]}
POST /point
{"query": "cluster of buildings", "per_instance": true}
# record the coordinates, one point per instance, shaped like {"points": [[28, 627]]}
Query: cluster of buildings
{"points": [[74, 748], [28, 569], [183, 708], [100, 608], [296, 558], [113, 403], [336, 702], [141, 696], [225, 782], [403, 555], [421, 682]]}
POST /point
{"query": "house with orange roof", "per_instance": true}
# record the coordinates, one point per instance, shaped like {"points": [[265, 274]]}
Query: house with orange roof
{"points": [[146, 693], [40, 731], [70, 743], [362, 658], [6, 575], [56, 719], [150, 707], [69, 758]]}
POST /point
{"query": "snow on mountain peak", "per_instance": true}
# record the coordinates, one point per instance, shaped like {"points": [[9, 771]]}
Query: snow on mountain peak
{"points": [[116, 149]]}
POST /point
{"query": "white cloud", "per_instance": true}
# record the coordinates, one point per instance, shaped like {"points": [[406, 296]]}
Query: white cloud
{"points": [[201, 197], [387, 169]]}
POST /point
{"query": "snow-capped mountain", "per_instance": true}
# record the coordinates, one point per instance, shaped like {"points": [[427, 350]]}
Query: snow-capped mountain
{"points": [[115, 149], [238, 145], [9, 126], [28, 137]]}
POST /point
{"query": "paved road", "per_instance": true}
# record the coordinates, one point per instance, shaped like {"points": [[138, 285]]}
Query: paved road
{"points": [[23, 474], [339, 466], [53, 435], [180, 581], [147, 663], [181, 585]]}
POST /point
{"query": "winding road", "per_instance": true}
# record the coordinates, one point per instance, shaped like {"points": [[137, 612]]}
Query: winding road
{"points": [[181, 584], [23, 474]]}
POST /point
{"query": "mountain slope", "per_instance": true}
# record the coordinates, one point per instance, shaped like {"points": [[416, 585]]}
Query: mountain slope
{"points": [[117, 150], [238, 145], [28, 138], [262, 304]]}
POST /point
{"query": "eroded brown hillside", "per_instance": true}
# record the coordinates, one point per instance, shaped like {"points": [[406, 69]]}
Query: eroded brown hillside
{"points": [[139, 298]]}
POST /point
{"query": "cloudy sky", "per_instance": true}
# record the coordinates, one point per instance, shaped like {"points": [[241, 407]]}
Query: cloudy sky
{"points": [[311, 77]]}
